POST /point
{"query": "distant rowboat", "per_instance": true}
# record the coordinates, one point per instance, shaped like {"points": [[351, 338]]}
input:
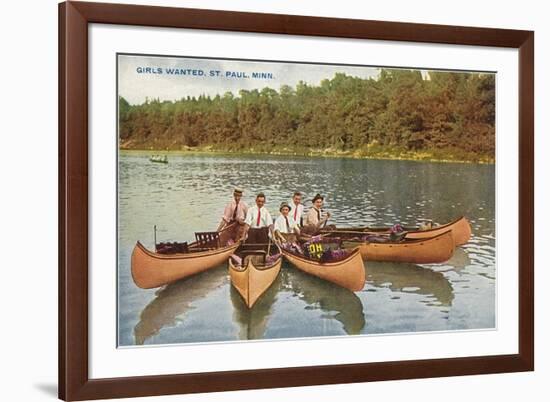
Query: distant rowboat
{"points": [[257, 268], [153, 269], [159, 158]]}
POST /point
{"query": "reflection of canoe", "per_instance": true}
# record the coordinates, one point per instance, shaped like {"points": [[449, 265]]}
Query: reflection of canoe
{"points": [[252, 322], [461, 231], [172, 302], [348, 273], [256, 274], [334, 301], [151, 269], [411, 278], [419, 251]]}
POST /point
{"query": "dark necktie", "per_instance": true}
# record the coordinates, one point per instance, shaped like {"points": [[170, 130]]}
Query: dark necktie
{"points": [[319, 215], [287, 225], [235, 211]]}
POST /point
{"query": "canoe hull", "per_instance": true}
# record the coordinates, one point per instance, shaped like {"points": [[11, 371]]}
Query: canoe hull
{"points": [[460, 228], [433, 250], [151, 270], [348, 273], [252, 282]]}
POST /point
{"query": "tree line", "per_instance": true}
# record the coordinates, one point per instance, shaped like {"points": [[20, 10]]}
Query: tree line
{"points": [[446, 113]]}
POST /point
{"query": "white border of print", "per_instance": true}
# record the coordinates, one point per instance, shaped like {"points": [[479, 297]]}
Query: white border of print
{"points": [[106, 360]]}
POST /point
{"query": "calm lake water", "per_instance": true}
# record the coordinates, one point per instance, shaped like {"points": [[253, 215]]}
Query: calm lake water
{"points": [[189, 193]]}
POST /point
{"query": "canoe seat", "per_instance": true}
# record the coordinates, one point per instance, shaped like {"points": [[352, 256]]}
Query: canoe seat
{"points": [[208, 239], [256, 258]]}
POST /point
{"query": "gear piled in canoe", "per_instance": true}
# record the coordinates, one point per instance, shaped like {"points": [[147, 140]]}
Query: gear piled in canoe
{"points": [[173, 261], [326, 259], [319, 249]]}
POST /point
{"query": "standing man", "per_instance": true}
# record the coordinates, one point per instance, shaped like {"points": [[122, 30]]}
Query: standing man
{"points": [[285, 223], [296, 208], [235, 211], [314, 218], [258, 221]]}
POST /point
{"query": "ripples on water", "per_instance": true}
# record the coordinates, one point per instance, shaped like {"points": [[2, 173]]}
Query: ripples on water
{"points": [[188, 194]]}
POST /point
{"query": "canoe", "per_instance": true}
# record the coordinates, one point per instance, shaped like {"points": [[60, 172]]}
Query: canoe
{"points": [[153, 269], [348, 273], [460, 228], [254, 275], [431, 250], [159, 159]]}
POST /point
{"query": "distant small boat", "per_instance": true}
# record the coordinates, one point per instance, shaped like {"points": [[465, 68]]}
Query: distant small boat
{"points": [[253, 269], [158, 158]]}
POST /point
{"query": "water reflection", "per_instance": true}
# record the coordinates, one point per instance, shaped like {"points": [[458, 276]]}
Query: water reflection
{"points": [[411, 278], [459, 260], [253, 321], [174, 300], [336, 302]]}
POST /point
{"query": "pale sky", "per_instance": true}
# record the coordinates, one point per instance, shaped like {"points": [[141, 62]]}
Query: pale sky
{"points": [[135, 86]]}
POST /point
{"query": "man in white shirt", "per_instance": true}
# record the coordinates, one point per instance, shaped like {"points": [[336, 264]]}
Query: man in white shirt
{"points": [[258, 217], [296, 208], [285, 223]]}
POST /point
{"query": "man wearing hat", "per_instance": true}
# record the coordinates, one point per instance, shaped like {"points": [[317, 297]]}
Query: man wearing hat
{"points": [[235, 211], [285, 223], [314, 218]]}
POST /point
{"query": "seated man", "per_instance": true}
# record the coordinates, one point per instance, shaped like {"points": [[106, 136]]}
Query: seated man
{"points": [[285, 223], [315, 220]]}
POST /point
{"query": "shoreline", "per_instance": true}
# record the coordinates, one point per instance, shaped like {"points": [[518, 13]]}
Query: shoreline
{"points": [[374, 155]]}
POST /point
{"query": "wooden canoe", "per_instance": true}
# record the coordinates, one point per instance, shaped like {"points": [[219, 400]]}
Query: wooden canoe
{"points": [[460, 228], [432, 250], [253, 277], [152, 269], [348, 273]]}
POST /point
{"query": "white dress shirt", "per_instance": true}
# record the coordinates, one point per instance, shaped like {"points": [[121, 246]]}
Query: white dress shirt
{"points": [[296, 211], [280, 224], [252, 217]]}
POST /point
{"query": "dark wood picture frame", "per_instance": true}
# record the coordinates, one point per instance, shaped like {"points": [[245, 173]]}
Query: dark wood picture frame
{"points": [[74, 382]]}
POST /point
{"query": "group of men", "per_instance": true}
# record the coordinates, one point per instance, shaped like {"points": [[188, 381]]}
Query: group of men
{"points": [[291, 219]]}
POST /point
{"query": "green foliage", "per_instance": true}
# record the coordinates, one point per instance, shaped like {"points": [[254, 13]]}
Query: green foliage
{"points": [[446, 114]]}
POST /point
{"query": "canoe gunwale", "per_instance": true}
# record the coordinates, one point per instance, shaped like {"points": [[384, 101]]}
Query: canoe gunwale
{"points": [[319, 264], [403, 244], [185, 256], [366, 229], [242, 268]]}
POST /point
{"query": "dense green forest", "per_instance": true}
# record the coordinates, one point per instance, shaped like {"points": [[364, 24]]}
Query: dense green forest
{"points": [[450, 116]]}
